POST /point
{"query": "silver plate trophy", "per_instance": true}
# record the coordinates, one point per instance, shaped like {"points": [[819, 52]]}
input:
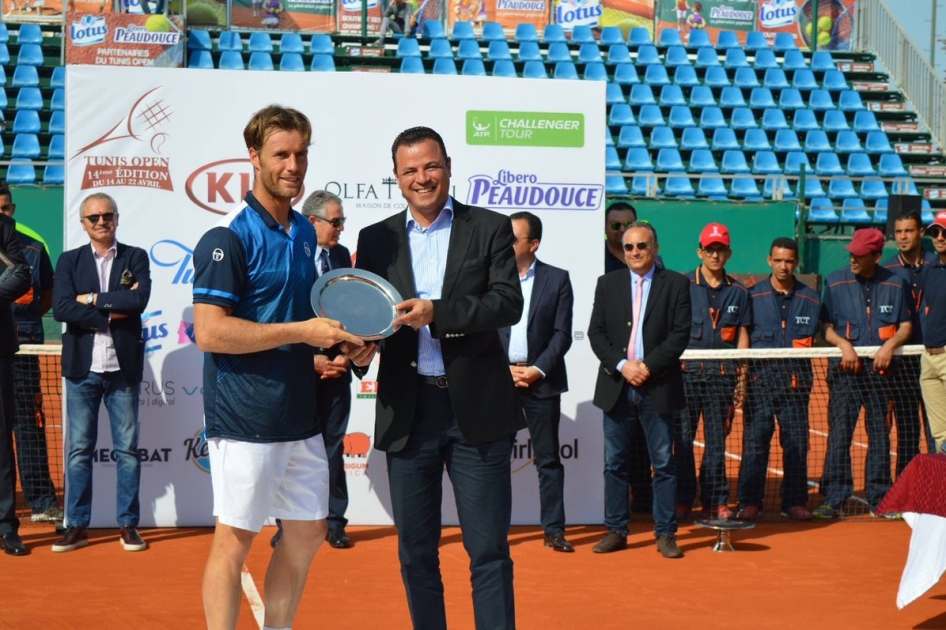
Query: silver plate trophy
{"points": [[362, 301]]}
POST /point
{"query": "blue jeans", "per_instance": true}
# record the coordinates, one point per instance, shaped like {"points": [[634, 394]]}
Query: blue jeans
{"points": [[543, 415], [709, 395], [850, 392], [83, 399], [632, 408]]}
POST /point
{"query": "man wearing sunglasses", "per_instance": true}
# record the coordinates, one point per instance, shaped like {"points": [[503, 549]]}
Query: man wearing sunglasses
{"points": [[100, 291], [640, 323], [933, 360]]}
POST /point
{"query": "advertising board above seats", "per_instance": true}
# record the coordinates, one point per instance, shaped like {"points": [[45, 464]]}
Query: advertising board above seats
{"points": [[124, 39]]}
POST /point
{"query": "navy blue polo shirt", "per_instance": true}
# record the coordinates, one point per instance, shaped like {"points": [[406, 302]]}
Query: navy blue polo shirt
{"points": [[718, 312], [26, 309], [866, 312], [912, 274], [933, 305], [250, 265]]}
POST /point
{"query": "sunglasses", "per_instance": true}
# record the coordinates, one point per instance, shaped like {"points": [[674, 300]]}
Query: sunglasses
{"points": [[335, 223], [107, 217], [937, 233], [619, 225], [629, 247], [716, 251], [7, 207]]}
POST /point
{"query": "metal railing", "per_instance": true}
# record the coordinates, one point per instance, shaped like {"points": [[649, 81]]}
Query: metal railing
{"points": [[879, 31]]}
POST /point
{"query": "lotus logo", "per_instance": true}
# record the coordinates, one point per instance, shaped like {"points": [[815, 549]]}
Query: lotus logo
{"points": [[217, 187]]}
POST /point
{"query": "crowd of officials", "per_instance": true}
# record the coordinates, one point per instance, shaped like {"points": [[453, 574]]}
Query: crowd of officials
{"points": [[482, 314]]}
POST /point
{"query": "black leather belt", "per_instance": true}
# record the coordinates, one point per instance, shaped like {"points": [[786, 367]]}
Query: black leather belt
{"points": [[940, 350], [436, 381], [520, 364]]}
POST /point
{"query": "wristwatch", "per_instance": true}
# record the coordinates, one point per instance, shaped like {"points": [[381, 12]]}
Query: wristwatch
{"points": [[90, 299]]}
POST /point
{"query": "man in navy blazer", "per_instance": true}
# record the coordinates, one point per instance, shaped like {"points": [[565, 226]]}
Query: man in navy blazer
{"points": [[100, 291], [536, 347]]}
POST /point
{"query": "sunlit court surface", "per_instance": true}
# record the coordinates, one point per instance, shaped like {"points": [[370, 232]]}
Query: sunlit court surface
{"points": [[809, 575]]}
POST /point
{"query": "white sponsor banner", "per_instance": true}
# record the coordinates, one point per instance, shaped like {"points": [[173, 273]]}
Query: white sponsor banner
{"points": [[167, 144]]}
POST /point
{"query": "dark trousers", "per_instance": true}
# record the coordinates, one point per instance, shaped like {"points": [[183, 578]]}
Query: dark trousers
{"points": [[642, 490], [543, 415], [850, 392], [482, 484], [908, 404], [334, 407], [8, 521], [711, 396], [30, 431]]}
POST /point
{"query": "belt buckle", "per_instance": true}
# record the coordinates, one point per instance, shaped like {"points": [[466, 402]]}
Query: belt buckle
{"points": [[521, 364], [441, 382]]}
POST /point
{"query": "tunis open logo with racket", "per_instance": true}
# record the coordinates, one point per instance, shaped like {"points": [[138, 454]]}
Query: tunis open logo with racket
{"points": [[129, 153]]}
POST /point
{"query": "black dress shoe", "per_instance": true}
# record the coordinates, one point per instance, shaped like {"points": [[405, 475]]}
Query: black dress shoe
{"points": [[558, 543], [612, 541], [337, 538], [13, 546]]}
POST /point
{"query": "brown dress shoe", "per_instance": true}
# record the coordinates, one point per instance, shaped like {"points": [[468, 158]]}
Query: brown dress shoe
{"points": [[558, 543], [75, 537], [131, 540], [667, 545], [612, 541]]}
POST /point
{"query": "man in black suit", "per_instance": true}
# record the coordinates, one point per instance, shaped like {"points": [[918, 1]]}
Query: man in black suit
{"points": [[100, 291], [536, 348], [445, 394], [640, 325], [14, 282]]}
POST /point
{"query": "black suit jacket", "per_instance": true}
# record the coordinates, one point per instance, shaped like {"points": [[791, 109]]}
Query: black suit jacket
{"points": [[549, 329], [339, 258], [14, 282], [76, 274], [666, 330], [480, 295]]}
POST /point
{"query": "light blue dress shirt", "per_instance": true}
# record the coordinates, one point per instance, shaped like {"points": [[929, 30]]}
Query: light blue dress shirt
{"points": [[519, 334], [639, 342]]}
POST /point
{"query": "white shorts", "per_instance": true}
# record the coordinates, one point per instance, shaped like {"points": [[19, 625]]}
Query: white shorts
{"points": [[253, 481], [681, 15]]}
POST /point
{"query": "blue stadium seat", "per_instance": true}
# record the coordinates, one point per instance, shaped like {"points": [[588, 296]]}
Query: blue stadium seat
{"points": [[612, 35], [773, 120], [615, 185], [850, 101], [321, 44], [57, 123], [734, 162], [804, 80], [711, 185], [794, 60], [260, 42], [4, 33], [731, 97], [493, 31], [745, 78], [820, 100], [774, 79], [536, 70], [526, 32], [656, 75], [804, 120], [693, 139], [498, 50], [671, 95], [765, 163], [669, 161], [834, 81], [445, 65], [865, 121], [620, 115], [57, 147], [4, 101], [822, 211], [764, 60], [877, 142], [795, 161], [565, 70], [200, 59], [701, 96], [784, 41], [58, 79], [230, 41], [463, 31], [786, 140], [812, 188], [29, 98], [619, 53], [755, 140], [676, 56], [699, 38], [712, 118], [685, 76], [822, 61], [440, 49], [761, 98], [29, 34], [904, 186], [21, 171], [582, 34], [647, 55], [841, 188], [743, 118], [408, 47], [847, 142], [25, 76], [790, 99], [626, 74], [873, 188], [474, 68], [553, 33], [469, 49], [650, 116], [558, 52], [678, 186], [613, 94], [859, 165], [261, 61], [326, 63], [409, 65], [743, 187], [891, 165], [505, 68], [26, 145], [596, 72], [670, 37], [530, 51], [54, 174], [291, 44], [612, 162], [589, 53], [816, 141], [706, 57], [727, 39], [662, 138], [771, 184], [828, 164], [641, 184], [58, 100], [641, 94], [199, 39], [755, 40], [433, 29], [291, 62], [638, 159], [702, 161], [680, 117], [834, 121], [853, 210], [716, 77], [639, 36], [27, 121], [735, 58]]}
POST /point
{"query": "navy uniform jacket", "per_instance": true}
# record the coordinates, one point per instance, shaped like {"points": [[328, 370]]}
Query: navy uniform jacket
{"points": [[933, 304], [846, 307], [913, 277], [26, 310], [717, 315], [14, 282]]}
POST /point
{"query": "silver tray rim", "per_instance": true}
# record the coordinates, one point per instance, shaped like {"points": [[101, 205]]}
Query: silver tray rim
{"points": [[349, 274]]}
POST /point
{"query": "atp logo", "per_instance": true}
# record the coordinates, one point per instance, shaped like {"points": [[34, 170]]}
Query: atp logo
{"points": [[480, 130]]}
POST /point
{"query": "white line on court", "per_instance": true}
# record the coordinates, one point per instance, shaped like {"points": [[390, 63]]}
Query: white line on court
{"points": [[252, 596]]}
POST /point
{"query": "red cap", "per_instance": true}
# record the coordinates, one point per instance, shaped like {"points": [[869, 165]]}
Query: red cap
{"points": [[939, 221], [869, 241], [714, 233]]}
